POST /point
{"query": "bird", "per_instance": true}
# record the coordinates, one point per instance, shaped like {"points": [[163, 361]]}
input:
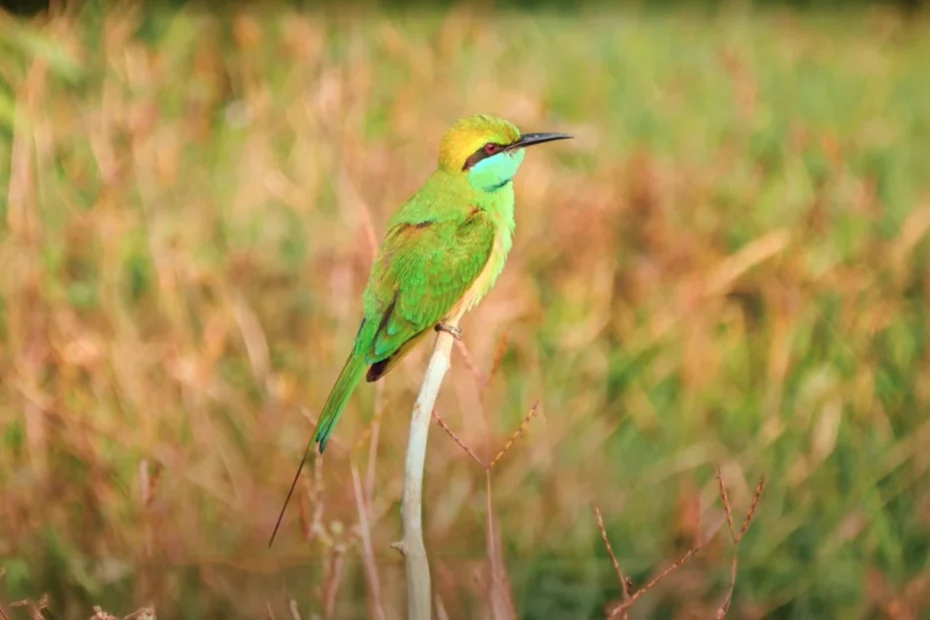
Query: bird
{"points": [[443, 251]]}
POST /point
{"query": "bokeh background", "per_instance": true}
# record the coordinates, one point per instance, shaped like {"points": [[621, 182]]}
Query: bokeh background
{"points": [[729, 265]]}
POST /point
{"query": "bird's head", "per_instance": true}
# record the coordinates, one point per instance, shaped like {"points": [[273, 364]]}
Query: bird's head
{"points": [[487, 150]]}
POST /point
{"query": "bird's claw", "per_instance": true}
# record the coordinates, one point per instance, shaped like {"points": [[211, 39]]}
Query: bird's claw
{"points": [[452, 330]]}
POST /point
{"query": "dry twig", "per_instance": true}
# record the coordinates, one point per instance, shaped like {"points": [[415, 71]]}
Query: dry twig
{"points": [[470, 362], [457, 440], [625, 582], [333, 579], [35, 607], [368, 554], [513, 439], [501, 602], [517, 434], [621, 610], [736, 537]]}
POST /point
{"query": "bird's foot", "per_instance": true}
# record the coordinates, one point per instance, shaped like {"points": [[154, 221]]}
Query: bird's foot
{"points": [[452, 330]]}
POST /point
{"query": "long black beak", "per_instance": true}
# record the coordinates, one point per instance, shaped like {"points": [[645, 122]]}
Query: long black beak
{"points": [[529, 139]]}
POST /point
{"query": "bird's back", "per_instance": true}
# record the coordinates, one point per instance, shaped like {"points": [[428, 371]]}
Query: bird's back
{"points": [[449, 199]]}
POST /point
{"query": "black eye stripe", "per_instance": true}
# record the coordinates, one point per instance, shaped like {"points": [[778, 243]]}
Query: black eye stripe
{"points": [[480, 154]]}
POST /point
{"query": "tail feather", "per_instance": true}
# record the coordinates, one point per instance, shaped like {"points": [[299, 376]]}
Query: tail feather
{"points": [[346, 383], [348, 379]]}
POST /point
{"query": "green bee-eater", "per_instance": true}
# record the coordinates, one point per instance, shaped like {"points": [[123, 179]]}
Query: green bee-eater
{"points": [[443, 251]]}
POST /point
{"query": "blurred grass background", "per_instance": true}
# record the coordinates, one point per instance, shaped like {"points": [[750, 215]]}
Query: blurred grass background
{"points": [[729, 264]]}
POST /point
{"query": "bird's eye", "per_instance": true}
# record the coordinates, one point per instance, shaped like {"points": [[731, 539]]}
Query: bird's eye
{"points": [[490, 148]]}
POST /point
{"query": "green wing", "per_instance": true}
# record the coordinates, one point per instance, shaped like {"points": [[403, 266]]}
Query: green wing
{"points": [[423, 269]]}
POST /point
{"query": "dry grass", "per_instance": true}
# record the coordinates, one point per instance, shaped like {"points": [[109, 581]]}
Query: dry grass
{"points": [[729, 265]]}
